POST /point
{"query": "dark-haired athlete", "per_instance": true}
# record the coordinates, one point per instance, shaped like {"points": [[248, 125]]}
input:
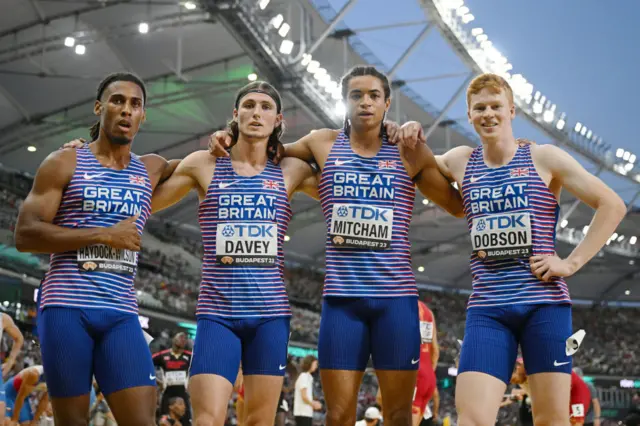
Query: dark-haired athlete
{"points": [[88, 208], [243, 311], [367, 192]]}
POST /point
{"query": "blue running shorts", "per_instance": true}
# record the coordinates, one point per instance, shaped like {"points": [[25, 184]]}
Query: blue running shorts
{"points": [[354, 329], [222, 343], [77, 344], [492, 336]]}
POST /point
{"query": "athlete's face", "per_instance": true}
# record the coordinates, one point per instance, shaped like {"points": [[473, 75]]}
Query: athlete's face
{"points": [[314, 367], [180, 340], [491, 114], [257, 115], [366, 104], [178, 407], [121, 111]]}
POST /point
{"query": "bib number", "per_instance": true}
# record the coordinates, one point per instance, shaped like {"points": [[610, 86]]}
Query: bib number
{"points": [[362, 226], [175, 378], [102, 258], [247, 244], [502, 236], [426, 331], [577, 410]]}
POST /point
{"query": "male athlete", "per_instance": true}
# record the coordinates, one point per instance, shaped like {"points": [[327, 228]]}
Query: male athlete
{"points": [[88, 208], [7, 325], [243, 311], [580, 396], [511, 192], [19, 391], [429, 355], [176, 409], [174, 364], [367, 192]]}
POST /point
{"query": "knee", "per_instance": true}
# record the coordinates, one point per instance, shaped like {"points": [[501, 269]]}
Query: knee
{"points": [[399, 417], [207, 420], [551, 419], [338, 416], [77, 421], [466, 419]]}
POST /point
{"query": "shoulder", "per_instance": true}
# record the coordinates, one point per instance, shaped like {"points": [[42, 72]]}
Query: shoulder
{"points": [[58, 167], [458, 153], [322, 135], [550, 156], [293, 163]]}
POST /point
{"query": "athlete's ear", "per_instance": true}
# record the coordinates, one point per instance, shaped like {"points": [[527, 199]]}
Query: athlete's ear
{"points": [[387, 104], [144, 117], [279, 119], [235, 114], [97, 108], [512, 110]]}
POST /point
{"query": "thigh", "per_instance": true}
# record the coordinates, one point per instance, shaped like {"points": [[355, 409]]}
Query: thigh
{"points": [[67, 349], [264, 348], [340, 389], [478, 397], [210, 394], [397, 388], [550, 397], [134, 406], [122, 355], [217, 350], [395, 334], [343, 343], [544, 337], [261, 395], [304, 421], [489, 345]]}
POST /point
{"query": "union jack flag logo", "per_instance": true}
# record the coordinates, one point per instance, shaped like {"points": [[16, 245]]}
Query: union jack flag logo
{"points": [[519, 172], [137, 180], [387, 164], [270, 184]]}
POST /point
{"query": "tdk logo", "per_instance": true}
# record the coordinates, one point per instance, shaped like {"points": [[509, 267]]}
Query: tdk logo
{"points": [[503, 222], [250, 231], [364, 212]]}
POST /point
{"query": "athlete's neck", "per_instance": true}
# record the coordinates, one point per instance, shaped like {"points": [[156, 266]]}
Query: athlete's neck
{"points": [[366, 141], [174, 416], [111, 155], [500, 151], [176, 351], [252, 152]]}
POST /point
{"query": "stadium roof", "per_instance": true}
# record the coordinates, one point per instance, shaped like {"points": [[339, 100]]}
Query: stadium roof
{"points": [[193, 57]]}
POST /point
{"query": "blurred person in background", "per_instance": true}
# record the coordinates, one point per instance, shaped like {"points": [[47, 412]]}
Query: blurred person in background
{"points": [[431, 416], [593, 415], [176, 408], [303, 404], [27, 397], [372, 417], [7, 325], [174, 364]]}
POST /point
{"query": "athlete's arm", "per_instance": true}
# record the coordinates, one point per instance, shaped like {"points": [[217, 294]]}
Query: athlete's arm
{"points": [[158, 166], [18, 340], [431, 183], [34, 231], [42, 406], [436, 403], [300, 177], [609, 207], [177, 187], [30, 379], [435, 347]]}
